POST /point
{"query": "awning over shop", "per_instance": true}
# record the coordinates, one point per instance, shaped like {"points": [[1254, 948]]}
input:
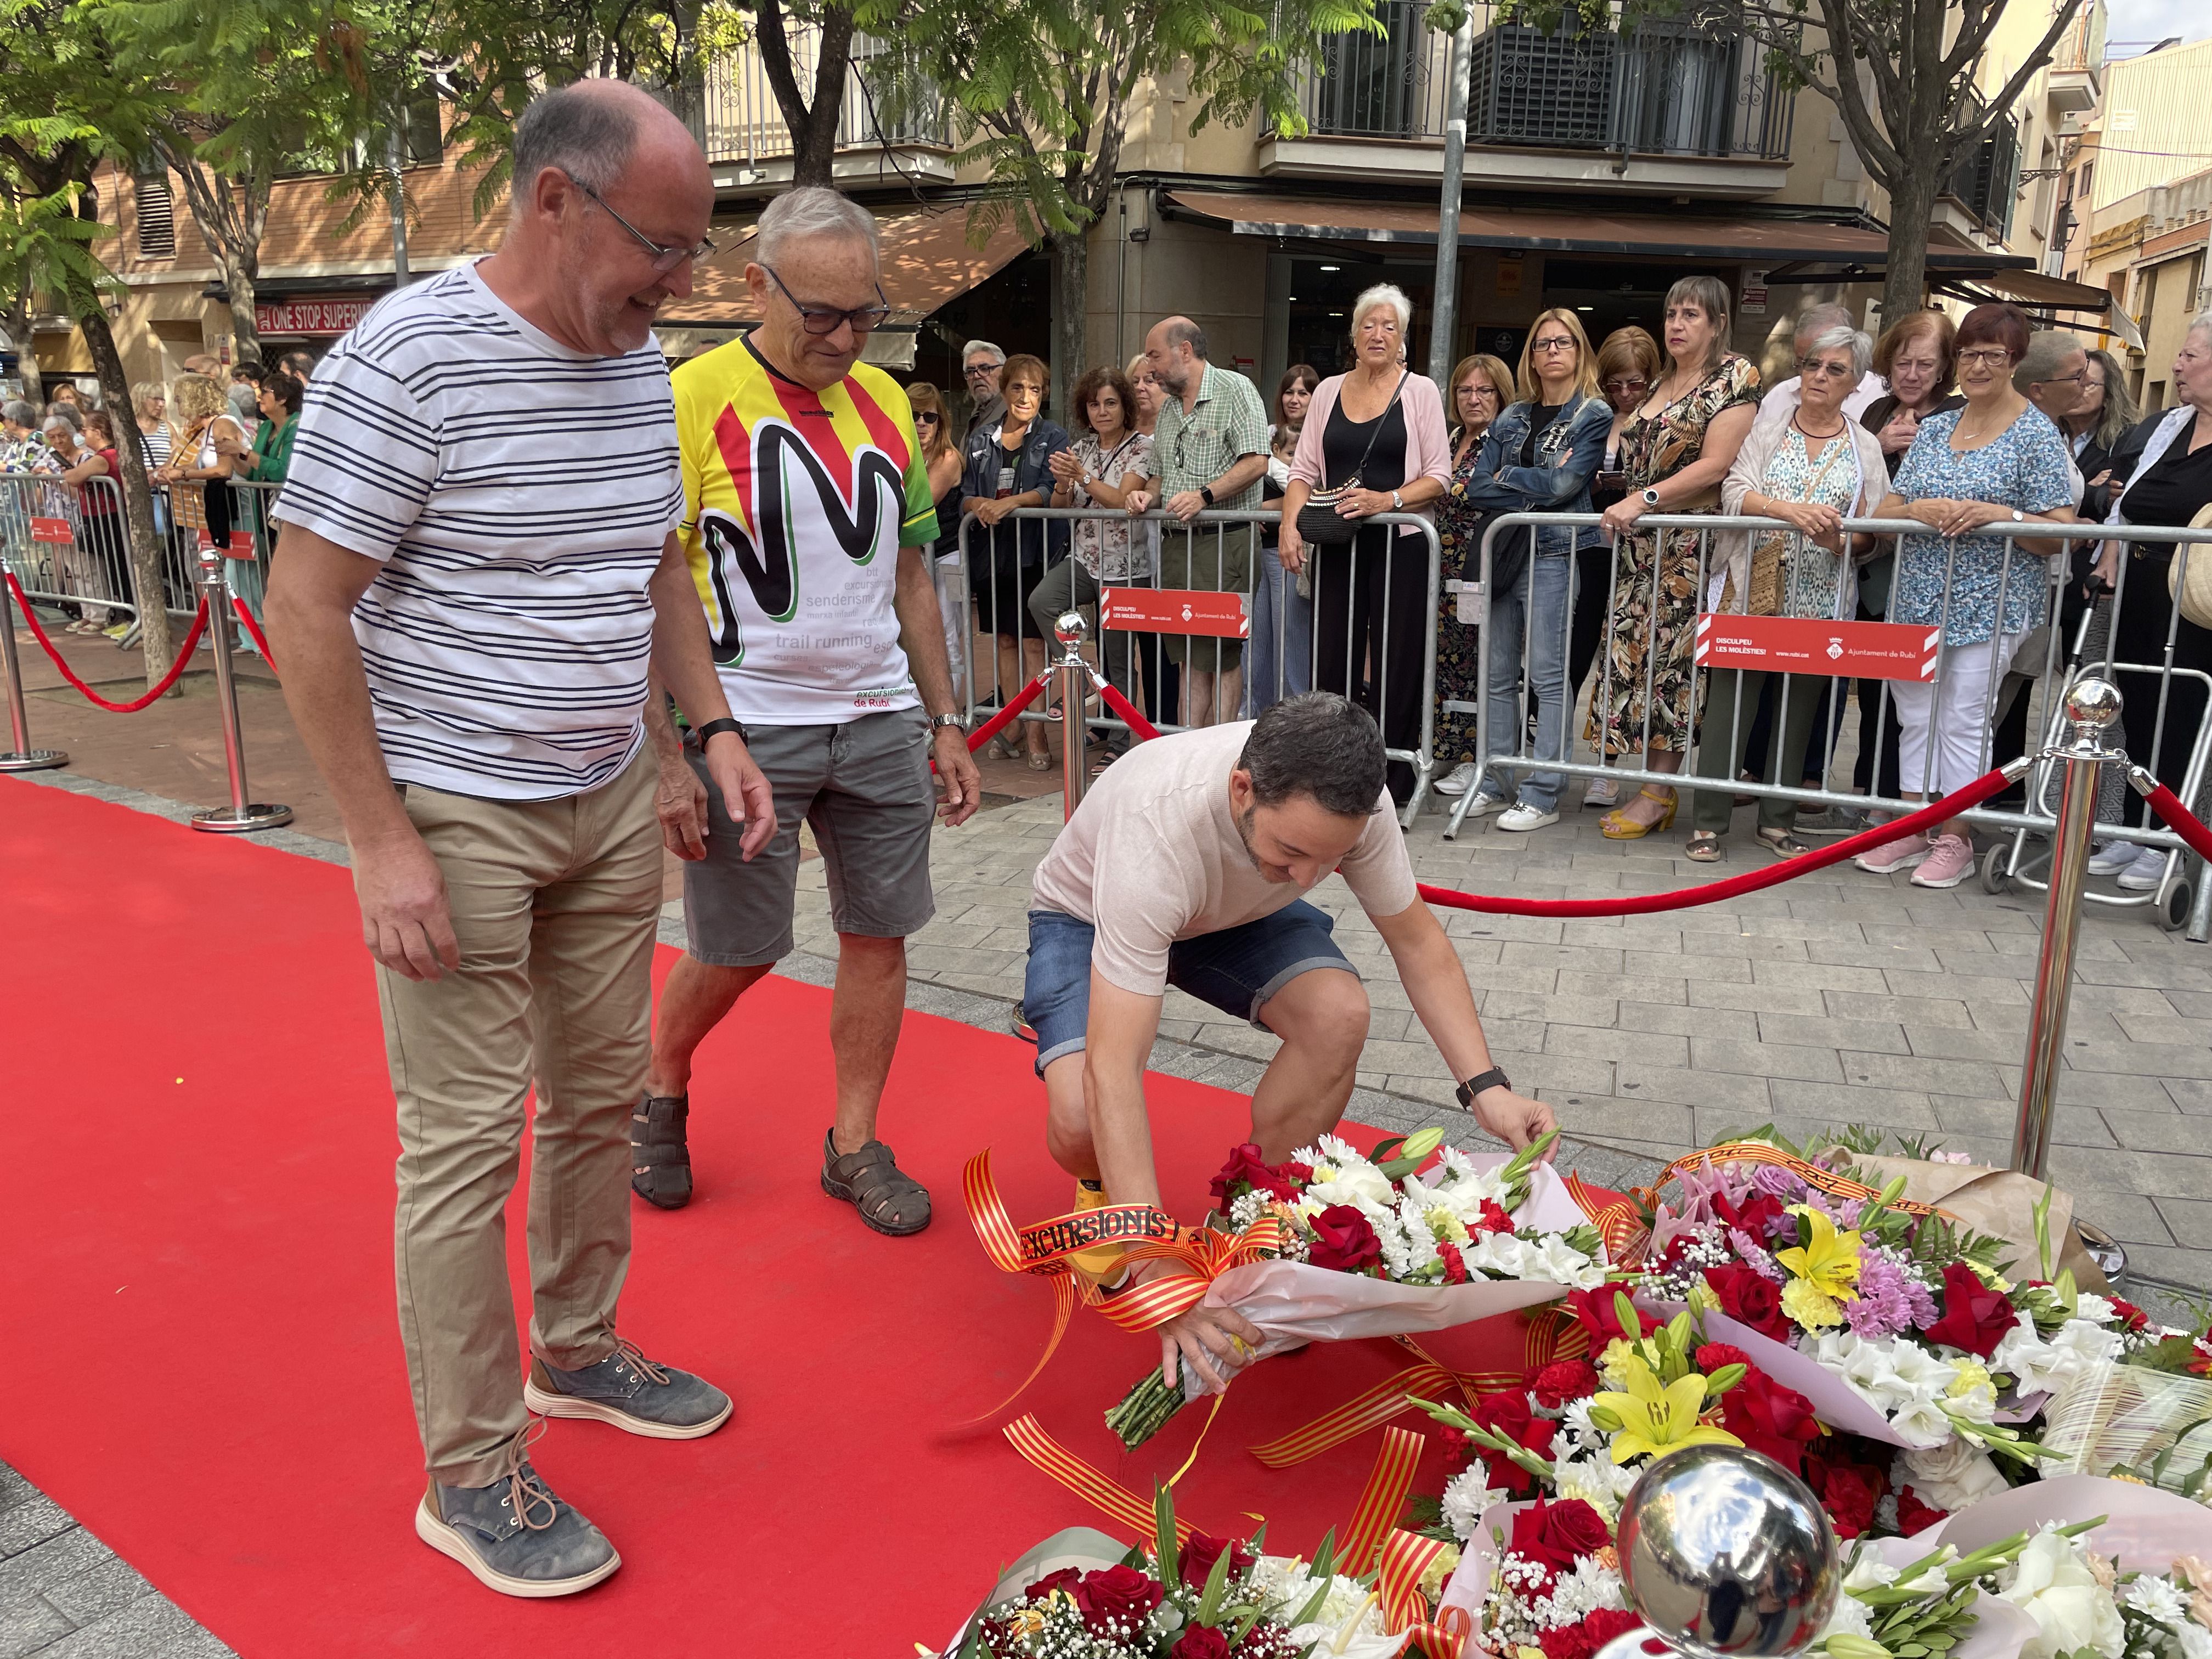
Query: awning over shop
{"points": [[1773, 243], [927, 261], [2046, 293]]}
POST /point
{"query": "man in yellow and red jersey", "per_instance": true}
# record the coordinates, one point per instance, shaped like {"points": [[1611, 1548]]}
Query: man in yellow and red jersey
{"points": [[808, 520]]}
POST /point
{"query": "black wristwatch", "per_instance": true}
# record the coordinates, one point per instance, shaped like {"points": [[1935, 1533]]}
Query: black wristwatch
{"points": [[1492, 1079], [1206, 493], [713, 729]]}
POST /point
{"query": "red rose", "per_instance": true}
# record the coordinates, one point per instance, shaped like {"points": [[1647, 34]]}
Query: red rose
{"points": [[1718, 1356], [1565, 1642], [1455, 1264], [1344, 1240], [1913, 1516], [1247, 1171], [1607, 1623], [1119, 1596], [1564, 1380], [1768, 1417], [1507, 1415], [2132, 1318], [1848, 1491], [1064, 1579], [1599, 1313], [1557, 1534], [1200, 1642], [1975, 1317], [1459, 1452], [1204, 1550], [1492, 1219], [1757, 1215], [1749, 1299]]}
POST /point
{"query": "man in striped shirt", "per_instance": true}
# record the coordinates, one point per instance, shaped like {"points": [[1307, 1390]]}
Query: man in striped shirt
{"points": [[478, 567]]}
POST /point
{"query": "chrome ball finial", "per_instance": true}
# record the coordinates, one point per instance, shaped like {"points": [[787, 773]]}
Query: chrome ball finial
{"points": [[2094, 702], [1727, 1555], [1070, 629]]}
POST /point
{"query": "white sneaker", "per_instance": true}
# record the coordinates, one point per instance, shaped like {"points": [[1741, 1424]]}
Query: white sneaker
{"points": [[1487, 805], [2112, 858], [1602, 792], [1521, 816], [1458, 780], [2145, 871]]}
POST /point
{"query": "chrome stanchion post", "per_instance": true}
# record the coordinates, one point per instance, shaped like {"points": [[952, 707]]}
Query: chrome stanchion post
{"points": [[21, 757], [241, 814], [2091, 705], [1073, 675]]}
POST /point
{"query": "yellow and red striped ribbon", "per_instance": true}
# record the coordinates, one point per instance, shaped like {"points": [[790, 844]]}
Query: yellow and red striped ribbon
{"points": [[1405, 1557], [1381, 1501], [1101, 1492]]}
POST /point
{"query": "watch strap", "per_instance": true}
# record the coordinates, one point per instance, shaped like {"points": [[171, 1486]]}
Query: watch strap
{"points": [[1493, 1078], [1206, 493], [713, 729], [939, 722]]}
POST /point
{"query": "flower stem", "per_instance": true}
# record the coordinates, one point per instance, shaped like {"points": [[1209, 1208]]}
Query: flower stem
{"points": [[1145, 1409]]}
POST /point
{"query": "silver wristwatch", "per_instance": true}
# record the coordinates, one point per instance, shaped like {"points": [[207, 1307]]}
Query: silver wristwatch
{"points": [[1650, 498], [939, 722], [1397, 503]]}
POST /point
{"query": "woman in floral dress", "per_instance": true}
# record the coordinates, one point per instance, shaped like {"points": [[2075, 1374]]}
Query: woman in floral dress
{"points": [[1675, 449]]}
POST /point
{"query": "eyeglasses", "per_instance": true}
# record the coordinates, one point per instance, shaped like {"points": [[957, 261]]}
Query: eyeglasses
{"points": [[928, 420], [1810, 366], [1622, 388], [1486, 391], [1552, 343], [664, 258], [827, 320], [974, 371], [2079, 377], [1994, 357]]}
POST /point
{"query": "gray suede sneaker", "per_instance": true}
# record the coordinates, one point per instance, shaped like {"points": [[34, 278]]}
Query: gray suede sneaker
{"points": [[629, 1391], [514, 1534]]}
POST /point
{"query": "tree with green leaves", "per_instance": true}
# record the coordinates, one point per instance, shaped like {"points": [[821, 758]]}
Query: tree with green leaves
{"points": [[1043, 95], [65, 109], [1901, 74]]}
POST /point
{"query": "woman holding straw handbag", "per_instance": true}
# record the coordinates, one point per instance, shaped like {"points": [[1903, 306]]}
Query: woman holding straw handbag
{"points": [[207, 443]]}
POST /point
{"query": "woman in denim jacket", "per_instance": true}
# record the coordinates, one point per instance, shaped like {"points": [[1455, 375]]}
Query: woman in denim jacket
{"points": [[1538, 457], [1010, 467]]}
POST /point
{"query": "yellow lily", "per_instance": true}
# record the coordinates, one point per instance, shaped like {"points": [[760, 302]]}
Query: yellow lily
{"points": [[1829, 1264], [1658, 1419]]}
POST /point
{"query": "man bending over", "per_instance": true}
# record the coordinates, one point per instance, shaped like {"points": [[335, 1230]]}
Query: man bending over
{"points": [[1186, 866]]}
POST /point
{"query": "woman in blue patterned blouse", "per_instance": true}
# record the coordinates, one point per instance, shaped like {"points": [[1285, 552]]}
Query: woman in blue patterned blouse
{"points": [[1997, 463]]}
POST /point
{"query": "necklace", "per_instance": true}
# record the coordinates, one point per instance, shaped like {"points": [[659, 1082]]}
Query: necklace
{"points": [[1805, 431]]}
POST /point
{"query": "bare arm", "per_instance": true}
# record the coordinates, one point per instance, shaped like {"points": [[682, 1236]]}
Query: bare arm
{"points": [[1435, 982], [921, 636], [683, 661], [1722, 439], [405, 920]]}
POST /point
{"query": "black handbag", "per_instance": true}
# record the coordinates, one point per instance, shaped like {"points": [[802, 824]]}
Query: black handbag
{"points": [[1318, 519]]}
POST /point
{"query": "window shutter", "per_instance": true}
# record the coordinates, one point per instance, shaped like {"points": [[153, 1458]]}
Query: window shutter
{"points": [[157, 217]]}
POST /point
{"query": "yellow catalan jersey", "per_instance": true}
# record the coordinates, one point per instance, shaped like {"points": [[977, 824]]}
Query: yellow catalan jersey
{"points": [[795, 505]]}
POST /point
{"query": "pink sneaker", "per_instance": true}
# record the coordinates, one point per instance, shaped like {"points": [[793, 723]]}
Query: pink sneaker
{"points": [[1901, 854], [1949, 862]]}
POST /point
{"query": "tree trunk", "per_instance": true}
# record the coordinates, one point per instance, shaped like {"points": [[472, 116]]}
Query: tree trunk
{"points": [[137, 494], [1911, 212], [1071, 281], [239, 278], [813, 126]]}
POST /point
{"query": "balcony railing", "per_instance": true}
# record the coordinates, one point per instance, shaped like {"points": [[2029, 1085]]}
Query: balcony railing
{"points": [[1662, 90], [732, 109]]}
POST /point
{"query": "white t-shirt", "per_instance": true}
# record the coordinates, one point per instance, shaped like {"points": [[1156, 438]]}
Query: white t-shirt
{"points": [[519, 496], [1153, 855]]}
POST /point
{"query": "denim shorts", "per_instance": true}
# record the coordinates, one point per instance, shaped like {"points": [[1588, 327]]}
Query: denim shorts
{"points": [[1236, 970]]}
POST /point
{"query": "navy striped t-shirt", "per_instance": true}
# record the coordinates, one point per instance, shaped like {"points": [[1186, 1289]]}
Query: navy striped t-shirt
{"points": [[519, 496]]}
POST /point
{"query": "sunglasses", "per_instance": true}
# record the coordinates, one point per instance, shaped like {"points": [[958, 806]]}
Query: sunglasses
{"points": [[1624, 386], [1810, 367], [827, 320], [928, 420]]}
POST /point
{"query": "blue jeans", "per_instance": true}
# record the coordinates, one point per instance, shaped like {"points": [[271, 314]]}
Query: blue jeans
{"points": [[1274, 671], [1536, 607]]}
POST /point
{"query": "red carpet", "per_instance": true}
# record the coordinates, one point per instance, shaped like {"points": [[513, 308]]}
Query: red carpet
{"points": [[196, 1170]]}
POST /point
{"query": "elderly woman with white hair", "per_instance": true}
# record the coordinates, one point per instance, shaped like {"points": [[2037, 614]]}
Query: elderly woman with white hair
{"points": [[2172, 485], [1813, 469], [1374, 440]]}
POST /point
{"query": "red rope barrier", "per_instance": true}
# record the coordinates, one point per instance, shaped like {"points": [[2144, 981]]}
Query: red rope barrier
{"points": [[1127, 711], [2180, 819], [1751, 881], [153, 693], [254, 631], [1000, 721]]}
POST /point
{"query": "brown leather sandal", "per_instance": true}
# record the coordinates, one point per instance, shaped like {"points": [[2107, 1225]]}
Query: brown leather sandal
{"points": [[870, 1180]]}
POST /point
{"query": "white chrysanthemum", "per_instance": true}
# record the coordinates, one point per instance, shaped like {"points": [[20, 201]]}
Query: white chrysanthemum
{"points": [[2096, 1310], [1467, 1498], [1598, 1482], [1551, 1257], [2157, 1599], [2079, 1346]]}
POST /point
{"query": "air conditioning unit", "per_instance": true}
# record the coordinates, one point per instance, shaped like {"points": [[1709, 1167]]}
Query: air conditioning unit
{"points": [[2069, 123]]}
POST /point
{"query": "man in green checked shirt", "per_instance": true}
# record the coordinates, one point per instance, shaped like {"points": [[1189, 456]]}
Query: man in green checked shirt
{"points": [[1212, 452]]}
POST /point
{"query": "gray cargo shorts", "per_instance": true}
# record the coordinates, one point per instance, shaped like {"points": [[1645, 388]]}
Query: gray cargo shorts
{"points": [[865, 787]]}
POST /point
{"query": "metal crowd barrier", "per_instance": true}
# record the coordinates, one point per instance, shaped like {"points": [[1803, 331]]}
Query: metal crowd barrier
{"points": [[1506, 749], [1356, 641]]}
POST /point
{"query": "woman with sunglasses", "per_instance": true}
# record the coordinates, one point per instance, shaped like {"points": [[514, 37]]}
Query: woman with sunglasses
{"points": [[945, 464]]}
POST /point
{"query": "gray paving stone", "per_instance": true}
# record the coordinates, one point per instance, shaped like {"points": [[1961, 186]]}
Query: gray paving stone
{"points": [[1592, 1043], [1685, 1021], [2189, 1219], [102, 1589], [1765, 1059], [1880, 957], [149, 1628], [1909, 1071], [1906, 1011], [1996, 1119], [1626, 987], [1692, 1088], [2098, 1090], [29, 1518], [2143, 1058], [1834, 1105], [1806, 1030], [28, 1626], [2158, 1132], [1969, 989], [2191, 1095], [1758, 997], [1948, 1042], [1819, 976], [1550, 1010]]}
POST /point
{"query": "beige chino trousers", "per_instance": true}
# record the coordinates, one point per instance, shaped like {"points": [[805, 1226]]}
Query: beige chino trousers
{"points": [[555, 905]]}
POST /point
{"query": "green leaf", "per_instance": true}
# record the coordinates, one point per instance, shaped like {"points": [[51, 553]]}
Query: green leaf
{"points": [[1164, 1532], [1216, 1585]]}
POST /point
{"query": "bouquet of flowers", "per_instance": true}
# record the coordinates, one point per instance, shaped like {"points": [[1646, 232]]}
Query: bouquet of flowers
{"points": [[1541, 1575], [1897, 1325], [1372, 1247], [1078, 1595]]}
